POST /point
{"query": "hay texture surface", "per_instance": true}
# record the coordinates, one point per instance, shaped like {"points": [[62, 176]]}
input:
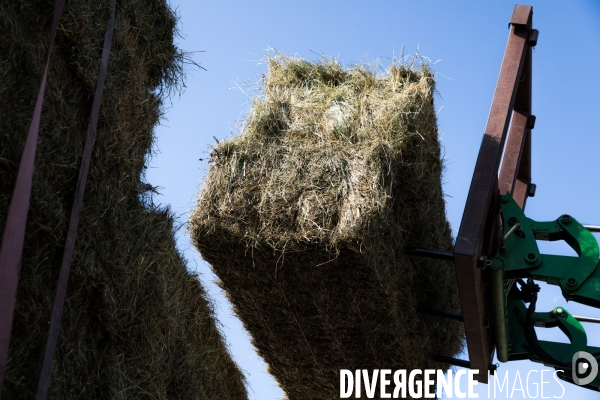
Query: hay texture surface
{"points": [[136, 324], [305, 215]]}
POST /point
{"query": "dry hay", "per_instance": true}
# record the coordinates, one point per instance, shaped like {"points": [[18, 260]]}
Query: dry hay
{"points": [[136, 323], [305, 215]]}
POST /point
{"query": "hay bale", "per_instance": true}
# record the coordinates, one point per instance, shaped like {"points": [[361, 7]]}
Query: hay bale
{"points": [[305, 215], [136, 323]]}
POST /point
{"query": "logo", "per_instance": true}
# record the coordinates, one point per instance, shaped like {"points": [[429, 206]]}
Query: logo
{"points": [[580, 368]]}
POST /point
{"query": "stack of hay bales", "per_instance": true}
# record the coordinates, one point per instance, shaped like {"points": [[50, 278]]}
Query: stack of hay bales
{"points": [[136, 323], [305, 215]]}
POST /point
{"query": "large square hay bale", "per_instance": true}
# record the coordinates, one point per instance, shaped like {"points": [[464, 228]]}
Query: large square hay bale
{"points": [[304, 218], [136, 323]]}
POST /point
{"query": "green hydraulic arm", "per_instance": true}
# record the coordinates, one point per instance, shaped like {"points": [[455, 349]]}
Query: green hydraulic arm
{"points": [[515, 267]]}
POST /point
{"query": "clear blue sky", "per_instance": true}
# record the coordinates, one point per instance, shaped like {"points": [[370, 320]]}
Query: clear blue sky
{"points": [[468, 38]]}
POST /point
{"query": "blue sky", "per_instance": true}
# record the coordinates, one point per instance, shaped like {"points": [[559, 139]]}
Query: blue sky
{"points": [[465, 39]]}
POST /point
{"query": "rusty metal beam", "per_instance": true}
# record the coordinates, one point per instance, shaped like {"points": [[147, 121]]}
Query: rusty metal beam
{"points": [[515, 172], [477, 225], [521, 16]]}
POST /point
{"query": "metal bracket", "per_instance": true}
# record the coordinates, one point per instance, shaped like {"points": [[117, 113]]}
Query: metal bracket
{"points": [[519, 256], [533, 37]]}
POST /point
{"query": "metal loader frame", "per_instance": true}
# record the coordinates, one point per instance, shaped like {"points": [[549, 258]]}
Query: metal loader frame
{"points": [[496, 255], [511, 108]]}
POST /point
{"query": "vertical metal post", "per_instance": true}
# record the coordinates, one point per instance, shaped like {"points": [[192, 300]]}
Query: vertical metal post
{"points": [[476, 232], [514, 178], [515, 172]]}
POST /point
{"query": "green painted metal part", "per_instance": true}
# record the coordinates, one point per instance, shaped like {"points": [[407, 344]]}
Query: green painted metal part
{"points": [[518, 257]]}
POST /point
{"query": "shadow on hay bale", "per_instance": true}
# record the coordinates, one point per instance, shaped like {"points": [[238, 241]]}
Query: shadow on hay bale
{"points": [[304, 217], [136, 323]]}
